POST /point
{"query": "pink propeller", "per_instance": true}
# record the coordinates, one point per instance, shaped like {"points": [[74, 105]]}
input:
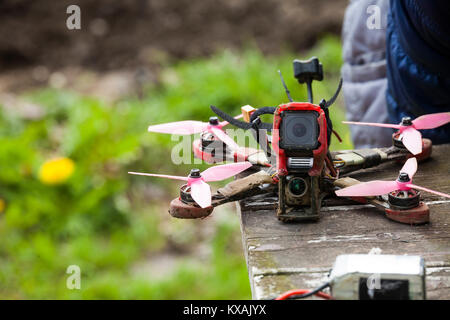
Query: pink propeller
{"points": [[200, 190], [411, 138], [378, 188], [191, 127]]}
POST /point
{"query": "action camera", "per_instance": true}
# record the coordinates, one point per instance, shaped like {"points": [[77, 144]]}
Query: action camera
{"points": [[300, 141], [299, 130]]}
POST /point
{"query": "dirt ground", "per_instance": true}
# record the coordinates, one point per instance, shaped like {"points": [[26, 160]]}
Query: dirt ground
{"points": [[126, 35]]}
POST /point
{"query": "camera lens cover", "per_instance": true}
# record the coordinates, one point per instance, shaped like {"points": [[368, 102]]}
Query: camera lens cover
{"points": [[299, 130], [297, 186]]}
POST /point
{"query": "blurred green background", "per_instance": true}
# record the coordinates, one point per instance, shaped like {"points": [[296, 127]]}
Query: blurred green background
{"points": [[115, 227]]}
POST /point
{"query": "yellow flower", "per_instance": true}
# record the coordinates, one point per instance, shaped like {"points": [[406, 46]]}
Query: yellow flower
{"points": [[56, 171], [2, 205]]}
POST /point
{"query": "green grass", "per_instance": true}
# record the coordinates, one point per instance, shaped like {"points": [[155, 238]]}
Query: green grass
{"points": [[106, 221]]}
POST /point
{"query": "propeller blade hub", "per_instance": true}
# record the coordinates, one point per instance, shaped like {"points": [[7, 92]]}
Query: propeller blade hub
{"points": [[195, 173], [406, 121], [403, 177], [214, 121]]}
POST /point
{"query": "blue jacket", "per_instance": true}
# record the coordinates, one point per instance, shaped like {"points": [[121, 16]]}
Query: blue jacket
{"points": [[418, 62]]}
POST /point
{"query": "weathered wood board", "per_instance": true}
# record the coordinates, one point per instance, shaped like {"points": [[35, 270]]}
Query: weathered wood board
{"points": [[283, 256]]}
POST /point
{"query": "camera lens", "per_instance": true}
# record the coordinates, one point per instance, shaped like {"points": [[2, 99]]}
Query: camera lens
{"points": [[299, 130], [297, 186]]}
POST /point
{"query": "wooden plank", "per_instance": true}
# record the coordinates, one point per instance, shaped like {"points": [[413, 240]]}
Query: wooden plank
{"points": [[284, 256]]}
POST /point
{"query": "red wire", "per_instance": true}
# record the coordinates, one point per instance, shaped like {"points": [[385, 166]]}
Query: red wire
{"points": [[337, 136], [295, 292]]}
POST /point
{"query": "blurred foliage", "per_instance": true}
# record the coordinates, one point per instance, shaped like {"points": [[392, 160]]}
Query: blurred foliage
{"points": [[108, 222]]}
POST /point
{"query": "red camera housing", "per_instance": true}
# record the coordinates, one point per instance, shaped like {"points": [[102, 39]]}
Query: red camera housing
{"points": [[319, 153]]}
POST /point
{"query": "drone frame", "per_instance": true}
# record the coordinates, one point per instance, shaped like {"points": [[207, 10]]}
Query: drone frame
{"points": [[262, 181]]}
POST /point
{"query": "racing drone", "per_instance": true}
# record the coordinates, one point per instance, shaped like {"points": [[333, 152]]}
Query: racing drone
{"points": [[294, 163]]}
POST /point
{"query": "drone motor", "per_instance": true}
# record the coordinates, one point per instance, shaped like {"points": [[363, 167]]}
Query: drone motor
{"points": [[404, 200]]}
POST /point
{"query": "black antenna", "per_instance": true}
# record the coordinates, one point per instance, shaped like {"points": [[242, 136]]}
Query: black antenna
{"points": [[326, 104], [285, 87]]}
